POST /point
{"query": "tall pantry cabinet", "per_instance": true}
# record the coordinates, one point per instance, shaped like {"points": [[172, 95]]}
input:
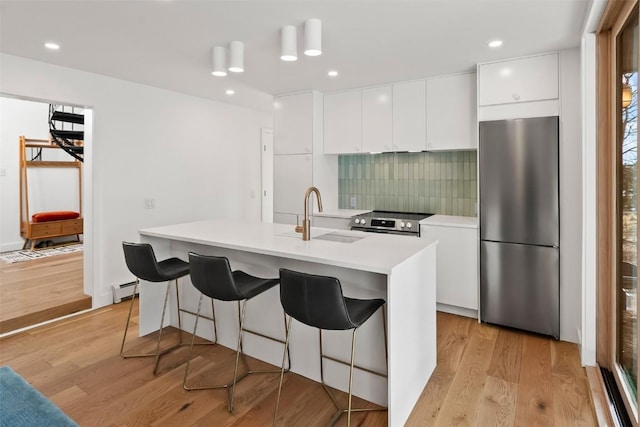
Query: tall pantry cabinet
{"points": [[299, 161]]}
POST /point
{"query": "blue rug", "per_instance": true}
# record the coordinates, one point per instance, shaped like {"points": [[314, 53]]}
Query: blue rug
{"points": [[23, 405]]}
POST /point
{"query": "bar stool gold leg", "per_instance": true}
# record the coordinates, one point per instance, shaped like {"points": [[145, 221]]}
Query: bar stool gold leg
{"points": [[353, 356], [193, 339], [126, 328], [157, 353], [238, 352], [349, 410], [230, 387], [164, 309], [284, 354], [179, 311]]}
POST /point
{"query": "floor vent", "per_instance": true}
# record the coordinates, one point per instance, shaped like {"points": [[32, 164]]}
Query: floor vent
{"points": [[124, 291], [615, 398]]}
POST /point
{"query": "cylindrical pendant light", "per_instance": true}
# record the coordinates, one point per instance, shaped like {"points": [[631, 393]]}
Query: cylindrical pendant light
{"points": [[236, 57], [313, 37], [219, 54], [289, 44]]}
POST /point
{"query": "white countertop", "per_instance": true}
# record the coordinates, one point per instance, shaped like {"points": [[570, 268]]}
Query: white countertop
{"points": [[451, 221], [378, 253], [342, 213]]}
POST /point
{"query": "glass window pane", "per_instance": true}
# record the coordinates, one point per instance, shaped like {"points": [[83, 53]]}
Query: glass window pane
{"points": [[627, 316]]}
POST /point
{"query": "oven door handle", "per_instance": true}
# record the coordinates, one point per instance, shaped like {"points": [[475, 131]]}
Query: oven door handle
{"points": [[379, 231]]}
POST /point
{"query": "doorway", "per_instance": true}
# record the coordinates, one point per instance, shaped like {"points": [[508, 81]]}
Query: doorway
{"points": [[46, 283]]}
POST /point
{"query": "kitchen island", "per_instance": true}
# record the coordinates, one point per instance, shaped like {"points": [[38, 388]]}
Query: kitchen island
{"points": [[399, 269]]}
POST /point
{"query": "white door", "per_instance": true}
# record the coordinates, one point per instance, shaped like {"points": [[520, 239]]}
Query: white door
{"points": [[267, 175]]}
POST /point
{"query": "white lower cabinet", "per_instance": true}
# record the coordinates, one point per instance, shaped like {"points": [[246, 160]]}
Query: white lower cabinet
{"points": [[456, 268]]}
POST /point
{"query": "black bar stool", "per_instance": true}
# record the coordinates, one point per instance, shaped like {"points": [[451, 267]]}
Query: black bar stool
{"points": [[213, 277], [317, 301], [142, 263]]}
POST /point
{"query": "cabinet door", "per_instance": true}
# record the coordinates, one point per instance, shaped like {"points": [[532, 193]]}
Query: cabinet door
{"points": [[456, 265], [528, 79], [292, 175], [377, 114], [343, 122], [409, 116], [293, 124], [451, 113]]}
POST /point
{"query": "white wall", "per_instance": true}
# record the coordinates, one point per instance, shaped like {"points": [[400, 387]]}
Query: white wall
{"points": [[49, 189], [589, 205], [570, 196], [198, 158]]}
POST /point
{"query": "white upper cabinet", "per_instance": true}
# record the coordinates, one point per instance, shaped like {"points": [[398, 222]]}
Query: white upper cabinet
{"points": [[343, 122], [528, 79], [377, 111], [293, 124], [451, 113], [409, 121]]}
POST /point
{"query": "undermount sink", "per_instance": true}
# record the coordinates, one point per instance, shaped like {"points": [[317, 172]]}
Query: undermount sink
{"points": [[319, 234], [338, 237], [314, 233]]}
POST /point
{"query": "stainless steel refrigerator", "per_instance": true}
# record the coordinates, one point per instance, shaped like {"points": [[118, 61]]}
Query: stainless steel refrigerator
{"points": [[518, 163]]}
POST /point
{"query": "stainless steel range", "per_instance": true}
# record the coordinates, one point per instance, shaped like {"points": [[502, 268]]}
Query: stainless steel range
{"points": [[389, 222]]}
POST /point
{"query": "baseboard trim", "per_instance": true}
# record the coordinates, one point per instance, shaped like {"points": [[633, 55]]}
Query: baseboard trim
{"points": [[460, 311], [12, 246]]}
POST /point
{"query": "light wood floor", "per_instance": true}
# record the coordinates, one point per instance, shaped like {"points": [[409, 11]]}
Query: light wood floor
{"points": [[41, 289], [486, 376]]}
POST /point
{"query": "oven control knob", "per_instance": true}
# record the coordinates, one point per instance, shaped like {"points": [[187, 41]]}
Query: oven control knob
{"points": [[357, 220], [401, 224], [409, 225], [363, 221]]}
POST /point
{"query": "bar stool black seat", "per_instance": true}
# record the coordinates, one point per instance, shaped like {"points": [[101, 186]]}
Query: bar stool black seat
{"points": [[213, 277], [318, 301], [142, 263]]}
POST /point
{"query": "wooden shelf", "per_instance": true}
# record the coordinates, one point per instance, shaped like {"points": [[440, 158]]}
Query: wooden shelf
{"points": [[52, 164], [32, 231]]}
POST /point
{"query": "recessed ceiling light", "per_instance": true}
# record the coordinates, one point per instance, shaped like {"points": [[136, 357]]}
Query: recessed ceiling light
{"points": [[332, 73], [52, 46], [495, 43], [230, 91]]}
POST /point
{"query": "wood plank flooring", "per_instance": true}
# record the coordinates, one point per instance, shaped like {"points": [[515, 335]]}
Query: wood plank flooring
{"points": [[41, 289], [486, 376]]}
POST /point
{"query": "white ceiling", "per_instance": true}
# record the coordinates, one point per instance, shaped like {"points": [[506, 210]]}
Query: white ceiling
{"points": [[167, 43]]}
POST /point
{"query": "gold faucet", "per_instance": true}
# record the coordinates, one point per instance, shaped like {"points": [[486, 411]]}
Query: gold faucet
{"points": [[305, 229]]}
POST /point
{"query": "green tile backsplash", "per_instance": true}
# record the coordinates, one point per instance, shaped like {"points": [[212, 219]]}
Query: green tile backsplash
{"points": [[434, 182]]}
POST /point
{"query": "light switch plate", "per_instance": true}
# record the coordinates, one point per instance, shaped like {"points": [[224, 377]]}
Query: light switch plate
{"points": [[354, 201], [149, 203]]}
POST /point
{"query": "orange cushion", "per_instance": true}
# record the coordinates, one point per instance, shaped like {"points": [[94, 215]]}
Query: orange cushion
{"points": [[54, 216]]}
